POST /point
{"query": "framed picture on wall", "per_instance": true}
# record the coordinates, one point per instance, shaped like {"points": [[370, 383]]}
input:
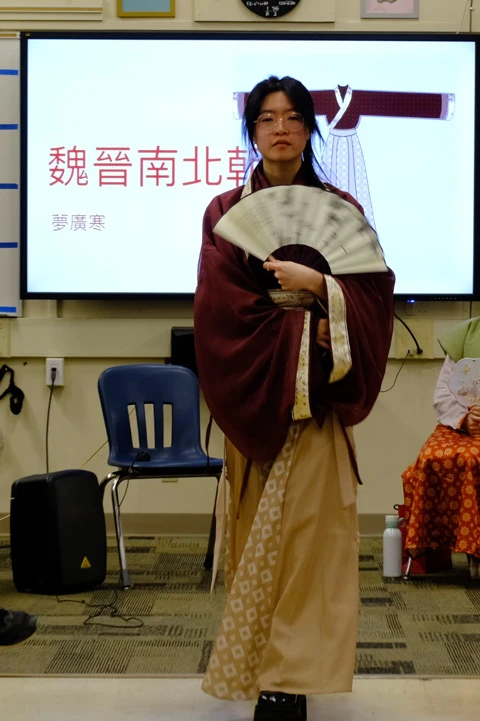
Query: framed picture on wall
{"points": [[390, 8], [146, 8]]}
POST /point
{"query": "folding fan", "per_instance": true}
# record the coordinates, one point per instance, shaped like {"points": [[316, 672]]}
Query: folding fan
{"points": [[295, 215], [464, 382]]}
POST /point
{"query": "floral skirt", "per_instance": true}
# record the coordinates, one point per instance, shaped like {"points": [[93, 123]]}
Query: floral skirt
{"points": [[442, 494]]}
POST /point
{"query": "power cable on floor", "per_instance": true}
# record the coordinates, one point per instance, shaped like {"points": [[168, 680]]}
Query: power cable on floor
{"points": [[104, 609]]}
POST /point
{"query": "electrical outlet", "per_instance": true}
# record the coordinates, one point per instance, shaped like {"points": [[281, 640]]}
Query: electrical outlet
{"points": [[59, 365], [424, 333]]}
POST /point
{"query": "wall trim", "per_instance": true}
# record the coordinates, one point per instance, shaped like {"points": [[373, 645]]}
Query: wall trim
{"points": [[145, 337]]}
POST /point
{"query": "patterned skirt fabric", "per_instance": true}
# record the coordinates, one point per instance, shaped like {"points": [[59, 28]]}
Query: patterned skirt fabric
{"points": [[344, 165], [442, 494], [290, 622]]}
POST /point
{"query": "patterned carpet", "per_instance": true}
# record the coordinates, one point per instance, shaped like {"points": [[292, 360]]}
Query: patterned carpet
{"points": [[424, 626]]}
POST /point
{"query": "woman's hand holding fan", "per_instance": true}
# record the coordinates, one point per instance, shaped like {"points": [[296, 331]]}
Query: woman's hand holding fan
{"points": [[296, 276]]}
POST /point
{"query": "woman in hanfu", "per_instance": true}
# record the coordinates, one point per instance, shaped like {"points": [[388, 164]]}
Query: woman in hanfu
{"points": [[285, 379], [442, 488]]}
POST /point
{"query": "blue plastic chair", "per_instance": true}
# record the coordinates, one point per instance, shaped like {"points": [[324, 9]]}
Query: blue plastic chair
{"points": [[137, 386]]}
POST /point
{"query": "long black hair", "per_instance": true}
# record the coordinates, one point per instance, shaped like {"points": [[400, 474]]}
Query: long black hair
{"points": [[302, 102]]}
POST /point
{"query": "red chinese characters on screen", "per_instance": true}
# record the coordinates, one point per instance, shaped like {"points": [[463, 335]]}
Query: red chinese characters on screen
{"points": [[113, 164], [237, 165], [203, 169], [157, 166], [68, 165]]}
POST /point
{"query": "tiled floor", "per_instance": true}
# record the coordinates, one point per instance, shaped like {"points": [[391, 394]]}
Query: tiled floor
{"points": [[124, 699]]}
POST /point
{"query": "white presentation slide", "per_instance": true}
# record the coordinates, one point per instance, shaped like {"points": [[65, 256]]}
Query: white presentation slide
{"points": [[130, 139]]}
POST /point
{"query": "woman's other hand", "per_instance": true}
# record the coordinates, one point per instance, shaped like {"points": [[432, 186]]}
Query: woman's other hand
{"points": [[295, 276], [323, 334], [471, 424]]}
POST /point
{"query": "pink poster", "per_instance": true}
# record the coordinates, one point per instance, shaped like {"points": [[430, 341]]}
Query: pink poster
{"points": [[390, 8]]}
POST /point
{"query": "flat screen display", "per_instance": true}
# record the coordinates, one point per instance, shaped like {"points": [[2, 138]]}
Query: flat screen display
{"points": [[126, 139]]}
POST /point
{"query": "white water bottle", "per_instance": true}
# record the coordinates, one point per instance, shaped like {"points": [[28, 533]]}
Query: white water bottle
{"points": [[392, 547]]}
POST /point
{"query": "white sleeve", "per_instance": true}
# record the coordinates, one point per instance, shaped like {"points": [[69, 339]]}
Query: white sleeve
{"points": [[448, 410]]}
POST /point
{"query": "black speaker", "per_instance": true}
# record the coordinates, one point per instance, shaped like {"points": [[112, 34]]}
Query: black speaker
{"points": [[183, 349], [58, 536]]}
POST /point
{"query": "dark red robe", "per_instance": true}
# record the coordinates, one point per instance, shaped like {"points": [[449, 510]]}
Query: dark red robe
{"points": [[247, 348]]}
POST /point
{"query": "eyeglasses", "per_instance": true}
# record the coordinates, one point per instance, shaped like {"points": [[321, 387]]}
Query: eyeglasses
{"points": [[268, 123]]}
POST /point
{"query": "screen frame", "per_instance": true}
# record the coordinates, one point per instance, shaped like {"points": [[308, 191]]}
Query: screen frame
{"points": [[25, 37]]}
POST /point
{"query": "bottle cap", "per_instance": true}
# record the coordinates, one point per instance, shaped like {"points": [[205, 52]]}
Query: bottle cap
{"points": [[392, 521]]}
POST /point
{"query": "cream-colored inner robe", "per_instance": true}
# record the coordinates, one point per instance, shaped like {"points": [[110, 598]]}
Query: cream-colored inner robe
{"points": [[290, 622]]}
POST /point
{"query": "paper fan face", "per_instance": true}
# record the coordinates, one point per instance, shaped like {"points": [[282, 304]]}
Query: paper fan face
{"points": [[292, 215], [464, 382]]}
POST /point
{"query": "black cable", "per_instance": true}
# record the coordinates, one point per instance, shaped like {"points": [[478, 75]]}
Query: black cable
{"points": [[102, 611], [469, 5], [125, 493], [398, 373], [419, 350], [142, 456], [128, 482], [53, 376]]}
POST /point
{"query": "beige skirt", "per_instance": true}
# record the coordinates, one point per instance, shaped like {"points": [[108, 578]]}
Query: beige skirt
{"points": [[291, 617]]}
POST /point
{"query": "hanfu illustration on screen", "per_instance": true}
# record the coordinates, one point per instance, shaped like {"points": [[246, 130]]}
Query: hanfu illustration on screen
{"points": [[343, 107]]}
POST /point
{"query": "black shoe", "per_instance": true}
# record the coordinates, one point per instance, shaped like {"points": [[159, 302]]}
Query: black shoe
{"points": [[276, 706], [16, 626]]}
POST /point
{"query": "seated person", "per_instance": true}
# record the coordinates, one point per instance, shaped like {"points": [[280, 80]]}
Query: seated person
{"points": [[442, 488]]}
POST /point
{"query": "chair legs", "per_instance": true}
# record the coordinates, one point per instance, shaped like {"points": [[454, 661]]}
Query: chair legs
{"points": [[116, 478], [124, 581], [208, 562], [411, 558], [106, 481], [124, 574], [406, 575]]}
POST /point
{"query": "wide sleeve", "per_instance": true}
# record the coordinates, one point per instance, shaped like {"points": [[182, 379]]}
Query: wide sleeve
{"points": [[379, 103], [448, 410], [247, 349], [360, 315], [361, 327]]}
